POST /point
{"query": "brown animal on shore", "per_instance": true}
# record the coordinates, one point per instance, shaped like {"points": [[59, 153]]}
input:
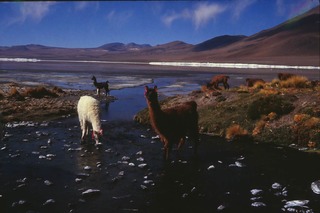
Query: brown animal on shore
{"points": [[216, 80], [251, 81], [285, 76], [172, 124]]}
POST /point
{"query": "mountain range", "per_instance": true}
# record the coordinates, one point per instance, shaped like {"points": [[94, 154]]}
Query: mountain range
{"points": [[294, 42]]}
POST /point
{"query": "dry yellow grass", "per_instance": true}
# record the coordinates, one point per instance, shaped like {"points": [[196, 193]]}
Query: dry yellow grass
{"points": [[272, 115], [235, 131], [258, 127], [258, 85], [298, 118], [13, 92], [306, 129], [269, 91], [295, 82]]}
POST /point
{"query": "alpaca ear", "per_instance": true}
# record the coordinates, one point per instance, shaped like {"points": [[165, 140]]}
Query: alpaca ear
{"points": [[155, 88]]}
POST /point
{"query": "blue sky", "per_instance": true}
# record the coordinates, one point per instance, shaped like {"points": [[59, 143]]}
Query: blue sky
{"points": [[92, 24]]}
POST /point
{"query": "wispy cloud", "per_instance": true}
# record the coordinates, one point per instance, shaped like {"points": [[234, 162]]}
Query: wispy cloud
{"points": [[200, 15], [172, 16], [280, 7], [239, 7], [205, 12], [83, 5], [34, 11], [119, 18]]}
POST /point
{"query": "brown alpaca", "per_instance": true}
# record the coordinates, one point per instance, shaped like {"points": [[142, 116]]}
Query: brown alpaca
{"points": [[285, 76], [173, 124], [216, 80], [251, 81]]}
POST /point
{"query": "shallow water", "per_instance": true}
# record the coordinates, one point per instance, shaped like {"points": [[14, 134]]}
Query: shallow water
{"points": [[41, 162], [43, 167]]}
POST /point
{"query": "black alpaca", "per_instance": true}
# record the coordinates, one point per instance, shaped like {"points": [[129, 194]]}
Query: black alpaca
{"points": [[100, 85]]}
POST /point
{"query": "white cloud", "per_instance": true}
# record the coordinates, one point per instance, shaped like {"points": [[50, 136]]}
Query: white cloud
{"points": [[240, 6], [119, 18], [280, 7], [173, 16], [82, 5], [35, 11], [205, 12], [200, 15]]}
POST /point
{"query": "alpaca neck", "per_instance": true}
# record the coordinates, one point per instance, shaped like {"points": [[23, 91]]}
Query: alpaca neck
{"points": [[96, 126], [155, 111]]}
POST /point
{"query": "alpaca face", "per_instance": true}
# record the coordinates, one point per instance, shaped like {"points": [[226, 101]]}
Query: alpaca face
{"points": [[96, 135], [151, 94]]}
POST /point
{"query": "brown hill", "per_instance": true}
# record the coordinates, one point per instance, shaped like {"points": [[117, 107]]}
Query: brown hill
{"points": [[296, 38], [294, 42]]}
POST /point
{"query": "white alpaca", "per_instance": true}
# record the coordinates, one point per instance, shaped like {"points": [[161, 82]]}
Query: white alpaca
{"points": [[89, 113]]}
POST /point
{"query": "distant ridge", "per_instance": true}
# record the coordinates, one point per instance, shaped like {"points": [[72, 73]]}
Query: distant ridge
{"points": [[218, 42], [293, 42], [124, 47]]}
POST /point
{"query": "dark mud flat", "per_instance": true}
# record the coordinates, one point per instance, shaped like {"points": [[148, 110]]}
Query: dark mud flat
{"points": [[43, 168]]}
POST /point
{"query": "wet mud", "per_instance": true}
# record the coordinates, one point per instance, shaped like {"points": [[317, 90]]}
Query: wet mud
{"points": [[44, 168]]}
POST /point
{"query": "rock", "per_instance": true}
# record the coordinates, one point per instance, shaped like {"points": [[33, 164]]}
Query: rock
{"points": [[49, 202], [276, 186], [210, 167], [143, 187], [315, 186], [87, 168], [296, 203], [48, 183], [239, 164], [125, 158], [258, 204], [148, 182], [22, 180], [221, 207], [90, 192], [141, 159], [19, 203], [78, 180], [142, 165], [256, 192], [50, 155]]}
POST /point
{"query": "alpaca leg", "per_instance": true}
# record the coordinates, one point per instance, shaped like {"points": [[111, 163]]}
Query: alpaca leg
{"points": [[182, 141], [166, 150], [83, 129], [226, 85], [86, 129]]}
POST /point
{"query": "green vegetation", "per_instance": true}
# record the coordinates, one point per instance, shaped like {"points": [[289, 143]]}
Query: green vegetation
{"points": [[281, 112]]}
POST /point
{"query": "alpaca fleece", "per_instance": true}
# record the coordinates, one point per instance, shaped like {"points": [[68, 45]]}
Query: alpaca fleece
{"points": [[89, 113]]}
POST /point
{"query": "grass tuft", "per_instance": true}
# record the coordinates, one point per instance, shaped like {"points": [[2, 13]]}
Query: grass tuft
{"points": [[235, 132]]}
